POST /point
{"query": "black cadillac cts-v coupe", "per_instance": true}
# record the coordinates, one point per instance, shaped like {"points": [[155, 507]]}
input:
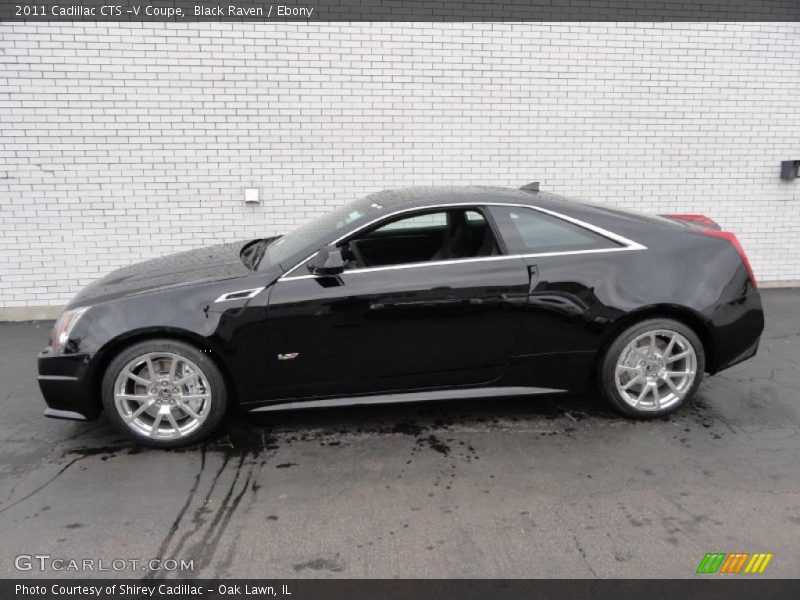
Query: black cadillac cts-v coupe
{"points": [[418, 294]]}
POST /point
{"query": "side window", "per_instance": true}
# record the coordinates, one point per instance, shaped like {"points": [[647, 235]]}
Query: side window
{"points": [[436, 219], [527, 231], [428, 236]]}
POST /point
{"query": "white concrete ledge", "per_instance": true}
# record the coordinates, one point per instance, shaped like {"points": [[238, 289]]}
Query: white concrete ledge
{"points": [[30, 313], [795, 283]]}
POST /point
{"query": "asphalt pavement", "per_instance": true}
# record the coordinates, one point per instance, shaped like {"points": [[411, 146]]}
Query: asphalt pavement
{"points": [[536, 487]]}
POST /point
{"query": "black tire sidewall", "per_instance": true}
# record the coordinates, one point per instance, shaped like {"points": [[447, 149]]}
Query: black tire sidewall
{"points": [[608, 365], [216, 381]]}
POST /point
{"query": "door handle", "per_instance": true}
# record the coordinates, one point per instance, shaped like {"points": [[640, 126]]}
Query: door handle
{"points": [[533, 272]]}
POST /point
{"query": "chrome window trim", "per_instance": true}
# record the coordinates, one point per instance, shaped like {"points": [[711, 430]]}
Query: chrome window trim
{"points": [[627, 244], [250, 294]]}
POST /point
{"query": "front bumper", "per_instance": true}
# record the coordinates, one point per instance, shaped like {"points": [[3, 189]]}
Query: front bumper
{"points": [[65, 382]]}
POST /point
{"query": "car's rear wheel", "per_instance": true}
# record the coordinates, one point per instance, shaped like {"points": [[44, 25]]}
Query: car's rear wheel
{"points": [[164, 393], [652, 368]]}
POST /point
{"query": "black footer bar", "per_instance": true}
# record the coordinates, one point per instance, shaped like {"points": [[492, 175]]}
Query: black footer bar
{"points": [[403, 589]]}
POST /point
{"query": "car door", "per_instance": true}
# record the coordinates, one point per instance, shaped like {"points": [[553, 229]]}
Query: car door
{"points": [[412, 312], [572, 279]]}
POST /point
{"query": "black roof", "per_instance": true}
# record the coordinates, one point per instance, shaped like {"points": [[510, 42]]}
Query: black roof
{"points": [[429, 196]]}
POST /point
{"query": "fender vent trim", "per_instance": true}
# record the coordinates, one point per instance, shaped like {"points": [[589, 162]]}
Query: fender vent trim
{"points": [[239, 295]]}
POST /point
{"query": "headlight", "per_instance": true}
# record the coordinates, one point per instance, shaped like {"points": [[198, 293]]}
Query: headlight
{"points": [[64, 326]]}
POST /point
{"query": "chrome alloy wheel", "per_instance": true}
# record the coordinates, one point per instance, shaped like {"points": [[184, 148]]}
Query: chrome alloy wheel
{"points": [[162, 395], [655, 370]]}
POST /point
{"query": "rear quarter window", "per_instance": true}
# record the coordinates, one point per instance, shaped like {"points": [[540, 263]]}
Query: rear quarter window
{"points": [[528, 231]]}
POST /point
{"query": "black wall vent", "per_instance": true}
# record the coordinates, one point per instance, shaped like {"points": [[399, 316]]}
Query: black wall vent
{"points": [[789, 169]]}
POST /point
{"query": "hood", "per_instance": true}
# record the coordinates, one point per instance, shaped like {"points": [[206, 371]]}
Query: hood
{"points": [[212, 263]]}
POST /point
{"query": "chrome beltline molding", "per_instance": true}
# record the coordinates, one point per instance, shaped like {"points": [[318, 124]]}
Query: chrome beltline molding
{"points": [[627, 244]]}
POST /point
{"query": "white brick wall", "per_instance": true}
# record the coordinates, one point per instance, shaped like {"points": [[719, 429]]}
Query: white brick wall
{"points": [[120, 142]]}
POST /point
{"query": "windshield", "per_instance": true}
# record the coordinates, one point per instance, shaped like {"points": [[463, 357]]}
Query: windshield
{"points": [[320, 231]]}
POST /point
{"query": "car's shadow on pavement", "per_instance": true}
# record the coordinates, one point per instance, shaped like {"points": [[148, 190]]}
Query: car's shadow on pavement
{"points": [[254, 433]]}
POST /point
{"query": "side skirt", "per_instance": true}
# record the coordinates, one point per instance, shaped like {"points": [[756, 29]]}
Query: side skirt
{"points": [[453, 394]]}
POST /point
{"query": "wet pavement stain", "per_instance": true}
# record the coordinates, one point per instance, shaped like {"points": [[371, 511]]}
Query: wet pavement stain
{"points": [[435, 444], [333, 564]]}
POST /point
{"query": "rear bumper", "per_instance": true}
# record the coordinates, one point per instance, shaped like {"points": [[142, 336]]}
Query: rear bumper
{"points": [[738, 328], [748, 353], [65, 385]]}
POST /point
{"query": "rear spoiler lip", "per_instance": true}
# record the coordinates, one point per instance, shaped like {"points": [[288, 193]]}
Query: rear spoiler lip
{"points": [[694, 220]]}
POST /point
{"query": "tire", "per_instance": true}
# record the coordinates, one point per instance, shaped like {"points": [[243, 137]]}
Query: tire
{"points": [[645, 385], [183, 404]]}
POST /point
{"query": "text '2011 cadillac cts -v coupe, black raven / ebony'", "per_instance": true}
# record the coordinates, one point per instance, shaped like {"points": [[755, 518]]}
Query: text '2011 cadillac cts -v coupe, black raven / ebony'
{"points": [[418, 294]]}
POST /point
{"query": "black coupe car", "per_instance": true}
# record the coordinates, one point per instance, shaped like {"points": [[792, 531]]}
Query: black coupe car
{"points": [[418, 294]]}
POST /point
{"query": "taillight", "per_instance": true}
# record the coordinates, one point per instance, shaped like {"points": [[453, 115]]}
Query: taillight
{"points": [[735, 242], [708, 226]]}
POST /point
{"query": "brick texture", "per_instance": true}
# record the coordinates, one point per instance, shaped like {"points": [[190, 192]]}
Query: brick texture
{"points": [[120, 143]]}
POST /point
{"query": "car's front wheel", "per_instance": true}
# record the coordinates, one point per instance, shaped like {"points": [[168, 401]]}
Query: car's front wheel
{"points": [[164, 393], [652, 368]]}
